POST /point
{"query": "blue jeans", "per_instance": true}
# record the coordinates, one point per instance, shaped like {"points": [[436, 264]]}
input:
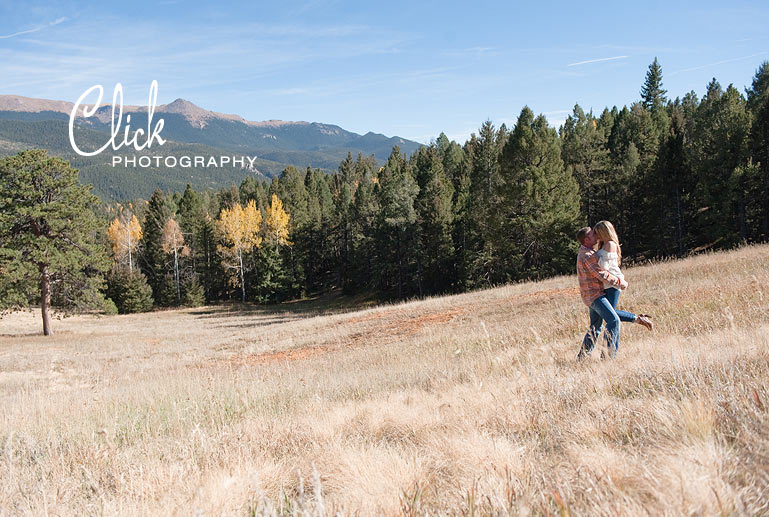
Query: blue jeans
{"points": [[604, 308], [612, 295]]}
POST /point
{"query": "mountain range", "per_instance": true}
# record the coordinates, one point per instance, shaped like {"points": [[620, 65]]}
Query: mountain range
{"points": [[189, 130]]}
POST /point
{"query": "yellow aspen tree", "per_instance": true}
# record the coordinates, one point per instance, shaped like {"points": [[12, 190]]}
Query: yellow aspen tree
{"points": [[239, 230], [276, 222], [124, 234], [172, 241]]}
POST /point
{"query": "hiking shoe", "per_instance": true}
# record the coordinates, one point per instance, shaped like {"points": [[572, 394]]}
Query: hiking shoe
{"points": [[645, 320]]}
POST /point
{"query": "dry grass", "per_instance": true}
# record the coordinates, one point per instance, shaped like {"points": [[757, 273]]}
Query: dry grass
{"points": [[469, 404]]}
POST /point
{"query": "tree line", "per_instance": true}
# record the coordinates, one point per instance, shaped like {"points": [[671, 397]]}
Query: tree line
{"points": [[674, 176]]}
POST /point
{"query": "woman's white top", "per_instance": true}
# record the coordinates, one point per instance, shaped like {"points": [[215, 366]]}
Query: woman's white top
{"points": [[609, 261]]}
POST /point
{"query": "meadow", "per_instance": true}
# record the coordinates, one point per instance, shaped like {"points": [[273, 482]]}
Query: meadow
{"points": [[472, 404]]}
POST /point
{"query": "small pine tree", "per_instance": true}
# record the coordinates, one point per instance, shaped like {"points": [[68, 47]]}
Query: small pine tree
{"points": [[129, 291], [272, 284], [193, 294], [153, 258], [652, 95]]}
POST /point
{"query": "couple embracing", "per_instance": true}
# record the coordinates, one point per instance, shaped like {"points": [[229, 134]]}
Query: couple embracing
{"points": [[600, 281]]}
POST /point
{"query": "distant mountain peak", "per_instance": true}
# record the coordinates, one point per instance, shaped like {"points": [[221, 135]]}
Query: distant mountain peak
{"points": [[181, 102], [195, 115], [277, 136]]}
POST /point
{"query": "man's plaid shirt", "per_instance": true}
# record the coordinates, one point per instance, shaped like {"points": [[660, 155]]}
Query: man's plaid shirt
{"points": [[591, 276]]}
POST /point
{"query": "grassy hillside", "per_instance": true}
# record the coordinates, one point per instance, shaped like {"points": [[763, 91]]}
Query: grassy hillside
{"points": [[463, 404]]}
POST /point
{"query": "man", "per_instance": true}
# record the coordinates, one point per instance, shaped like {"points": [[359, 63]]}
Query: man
{"points": [[591, 287]]}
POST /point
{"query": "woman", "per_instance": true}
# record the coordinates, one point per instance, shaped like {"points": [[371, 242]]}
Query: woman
{"points": [[609, 258]]}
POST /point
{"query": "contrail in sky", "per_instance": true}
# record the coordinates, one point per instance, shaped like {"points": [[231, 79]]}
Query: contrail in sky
{"points": [[36, 29], [717, 63], [596, 60]]}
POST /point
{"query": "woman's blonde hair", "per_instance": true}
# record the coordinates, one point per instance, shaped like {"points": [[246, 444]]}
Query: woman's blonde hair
{"points": [[605, 232]]}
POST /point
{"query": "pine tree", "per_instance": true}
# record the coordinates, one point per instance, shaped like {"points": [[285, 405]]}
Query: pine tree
{"points": [[343, 233], [308, 234], [673, 183], [213, 276], [191, 215], [456, 166], [484, 202], [397, 193], [343, 184], [652, 95], [229, 197], [541, 203], [153, 259], [586, 156], [634, 144], [193, 292], [191, 211], [719, 147], [293, 192], [602, 205], [365, 167], [345, 174], [435, 247], [248, 190], [272, 283], [758, 104], [48, 247], [327, 246], [129, 291], [365, 211]]}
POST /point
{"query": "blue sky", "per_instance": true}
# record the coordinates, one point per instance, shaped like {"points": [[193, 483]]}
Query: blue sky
{"points": [[411, 69]]}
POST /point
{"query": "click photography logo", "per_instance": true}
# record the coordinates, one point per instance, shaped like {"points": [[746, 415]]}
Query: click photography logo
{"points": [[140, 139]]}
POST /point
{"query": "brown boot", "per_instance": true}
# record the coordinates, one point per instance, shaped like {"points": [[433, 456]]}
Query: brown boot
{"points": [[645, 320]]}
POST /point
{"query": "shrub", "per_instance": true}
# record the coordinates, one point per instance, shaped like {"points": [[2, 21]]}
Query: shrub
{"points": [[129, 291], [193, 294], [110, 309]]}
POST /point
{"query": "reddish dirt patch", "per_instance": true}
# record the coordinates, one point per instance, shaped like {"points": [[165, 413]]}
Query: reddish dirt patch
{"points": [[283, 355], [395, 326], [237, 361], [380, 328], [414, 324], [367, 317]]}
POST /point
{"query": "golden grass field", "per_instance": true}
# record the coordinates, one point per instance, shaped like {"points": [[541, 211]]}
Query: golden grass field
{"points": [[471, 404]]}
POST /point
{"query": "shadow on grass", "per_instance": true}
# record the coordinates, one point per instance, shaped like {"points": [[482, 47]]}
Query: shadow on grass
{"points": [[320, 305]]}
